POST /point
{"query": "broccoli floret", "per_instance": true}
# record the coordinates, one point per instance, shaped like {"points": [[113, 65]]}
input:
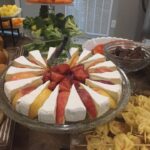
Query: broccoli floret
{"points": [[71, 27], [37, 33], [52, 32], [60, 16], [39, 22], [28, 22], [59, 21]]}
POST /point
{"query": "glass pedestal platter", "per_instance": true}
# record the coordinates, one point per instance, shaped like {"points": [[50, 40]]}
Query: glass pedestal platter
{"points": [[71, 128]]}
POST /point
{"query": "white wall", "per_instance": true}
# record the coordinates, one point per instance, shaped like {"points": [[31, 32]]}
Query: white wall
{"points": [[128, 14], [130, 18]]}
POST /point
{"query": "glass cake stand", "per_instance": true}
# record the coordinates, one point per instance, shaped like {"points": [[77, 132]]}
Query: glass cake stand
{"points": [[72, 128]]}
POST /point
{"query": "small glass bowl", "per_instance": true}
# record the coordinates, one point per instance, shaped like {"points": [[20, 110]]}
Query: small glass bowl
{"points": [[126, 63]]}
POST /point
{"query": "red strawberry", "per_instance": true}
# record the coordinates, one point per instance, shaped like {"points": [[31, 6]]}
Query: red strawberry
{"points": [[54, 69], [52, 85], [27, 90], [76, 83], [65, 85], [100, 70], [60, 110], [88, 102], [98, 49], [61, 68], [46, 76], [80, 75], [73, 69], [56, 77], [105, 82]]}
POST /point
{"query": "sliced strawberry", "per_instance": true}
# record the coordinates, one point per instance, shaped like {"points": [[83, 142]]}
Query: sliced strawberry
{"points": [[52, 85], [56, 77], [101, 70], [60, 109], [81, 75], [76, 83], [46, 76], [54, 69], [99, 49], [61, 68], [105, 82], [70, 76], [73, 69], [27, 90], [65, 85], [88, 102]]}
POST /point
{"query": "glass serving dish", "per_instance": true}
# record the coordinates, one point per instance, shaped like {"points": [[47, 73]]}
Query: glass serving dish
{"points": [[72, 128], [128, 64]]}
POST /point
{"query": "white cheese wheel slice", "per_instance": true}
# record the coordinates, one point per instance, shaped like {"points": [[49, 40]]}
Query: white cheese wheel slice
{"points": [[75, 109], [50, 52], [37, 58], [11, 87], [84, 55], [101, 102], [47, 113], [113, 77], [93, 60], [73, 51], [105, 64], [14, 70], [23, 62], [113, 90], [23, 104]]}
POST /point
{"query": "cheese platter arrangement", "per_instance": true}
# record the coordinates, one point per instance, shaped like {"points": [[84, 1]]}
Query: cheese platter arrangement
{"points": [[63, 97]]}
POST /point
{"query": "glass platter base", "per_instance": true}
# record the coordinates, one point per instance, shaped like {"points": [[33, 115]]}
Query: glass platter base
{"points": [[66, 128]]}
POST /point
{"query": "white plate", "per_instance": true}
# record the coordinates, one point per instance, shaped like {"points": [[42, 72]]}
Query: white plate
{"points": [[90, 44]]}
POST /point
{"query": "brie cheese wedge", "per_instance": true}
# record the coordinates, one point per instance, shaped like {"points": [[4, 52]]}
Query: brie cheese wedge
{"points": [[73, 51], [75, 109], [113, 77], [11, 87], [84, 55], [37, 58], [23, 104], [113, 90], [15, 70], [106, 64], [23, 62], [47, 113], [93, 60], [51, 52], [101, 102]]}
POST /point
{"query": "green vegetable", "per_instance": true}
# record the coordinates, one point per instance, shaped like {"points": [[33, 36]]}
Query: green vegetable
{"points": [[34, 27], [59, 21], [53, 27], [28, 22], [71, 27], [52, 32], [37, 33]]}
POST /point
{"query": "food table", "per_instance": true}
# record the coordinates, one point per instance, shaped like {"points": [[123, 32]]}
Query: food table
{"points": [[36, 139], [139, 83]]}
